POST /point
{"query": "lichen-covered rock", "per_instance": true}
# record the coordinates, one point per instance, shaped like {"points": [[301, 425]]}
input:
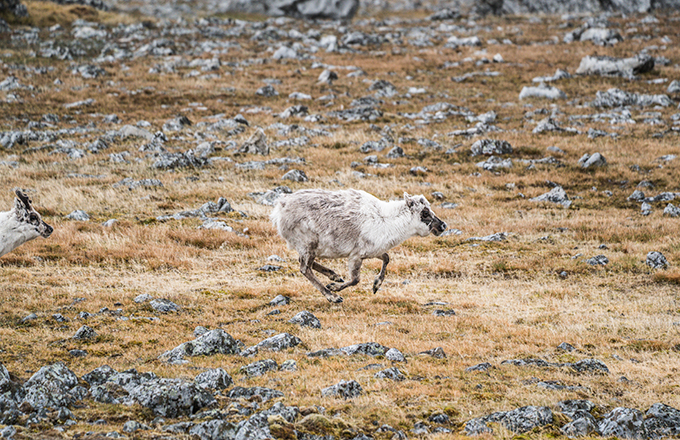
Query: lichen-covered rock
{"points": [[164, 305], [214, 430], [609, 66], [662, 421], [279, 300], [656, 260], [171, 397], [254, 428], [256, 143], [308, 9], [437, 353], [671, 210], [484, 366], [365, 348], [580, 427], [213, 342], [394, 355], [617, 98], [542, 91], [259, 368], [344, 389], [305, 319], [626, 423], [279, 342], [214, 379], [598, 260], [590, 366], [51, 387]]}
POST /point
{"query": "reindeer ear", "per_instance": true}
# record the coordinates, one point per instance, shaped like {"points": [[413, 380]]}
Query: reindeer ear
{"points": [[409, 201]]}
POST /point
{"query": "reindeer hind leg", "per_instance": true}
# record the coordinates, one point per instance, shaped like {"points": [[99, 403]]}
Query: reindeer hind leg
{"points": [[306, 264]]}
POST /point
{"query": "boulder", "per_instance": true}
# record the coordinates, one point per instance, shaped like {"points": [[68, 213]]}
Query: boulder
{"points": [[214, 379], [610, 66], [662, 421], [542, 91], [307, 9], [171, 397], [394, 355], [626, 423], [617, 98], [392, 373], [305, 319], [282, 341], [212, 342], [555, 195], [51, 387], [490, 147], [256, 144], [259, 368], [591, 161], [656, 260]]}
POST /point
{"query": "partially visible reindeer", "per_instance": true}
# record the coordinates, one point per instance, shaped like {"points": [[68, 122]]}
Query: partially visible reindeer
{"points": [[349, 224], [21, 224]]}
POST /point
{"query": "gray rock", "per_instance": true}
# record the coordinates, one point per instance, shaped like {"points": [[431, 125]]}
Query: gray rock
{"points": [[383, 89], [177, 124], [626, 423], [581, 427], [392, 373], [199, 331], [265, 394], [279, 342], [256, 144], [268, 198], [490, 147], [555, 195], [527, 418], [559, 74], [550, 125], [213, 342], [127, 131], [494, 163], [51, 387], [617, 98], [77, 353], [646, 208], [279, 300], [484, 366], [132, 425], [344, 389], [254, 428], [308, 9], [574, 408], [590, 366], [85, 332], [144, 297], [267, 91], [295, 176], [284, 52], [328, 76], [542, 91], [673, 87], [598, 260], [171, 397], [437, 353], [656, 260], [496, 237], [78, 215], [259, 368], [214, 430], [601, 36], [609, 66], [171, 161], [294, 110], [590, 161], [671, 210], [394, 355], [214, 379], [305, 319], [164, 305], [662, 421], [565, 346], [289, 365], [636, 196], [99, 375]]}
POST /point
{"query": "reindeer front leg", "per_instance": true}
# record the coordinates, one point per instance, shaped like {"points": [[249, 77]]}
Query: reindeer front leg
{"points": [[381, 276]]}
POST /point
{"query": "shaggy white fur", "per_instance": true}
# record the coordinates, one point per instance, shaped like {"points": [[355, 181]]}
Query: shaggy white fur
{"points": [[21, 224]]}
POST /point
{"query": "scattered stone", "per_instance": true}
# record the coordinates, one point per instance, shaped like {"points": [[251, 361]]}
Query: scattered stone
{"points": [[542, 91], [164, 305], [656, 260], [598, 260], [392, 373], [671, 210], [295, 176], [305, 319], [212, 342], [394, 355], [591, 161], [265, 394], [289, 365], [437, 353], [85, 332], [344, 389], [617, 98], [484, 366], [51, 387], [624, 423], [279, 300], [589, 366], [78, 215], [490, 147], [282, 341], [496, 237], [565, 346], [662, 421], [171, 397], [555, 195], [609, 66]]}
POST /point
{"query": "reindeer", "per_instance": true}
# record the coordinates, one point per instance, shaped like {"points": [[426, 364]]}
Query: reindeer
{"points": [[349, 224], [20, 224]]}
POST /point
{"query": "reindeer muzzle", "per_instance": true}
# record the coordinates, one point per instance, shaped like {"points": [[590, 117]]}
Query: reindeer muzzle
{"points": [[48, 230]]}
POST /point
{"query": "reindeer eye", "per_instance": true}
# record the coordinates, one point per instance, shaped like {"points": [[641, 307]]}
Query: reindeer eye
{"points": [[33, 217], [425, 214]]}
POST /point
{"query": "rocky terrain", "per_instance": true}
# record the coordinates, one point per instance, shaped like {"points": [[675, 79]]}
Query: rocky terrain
{"points": [[156, 137]]}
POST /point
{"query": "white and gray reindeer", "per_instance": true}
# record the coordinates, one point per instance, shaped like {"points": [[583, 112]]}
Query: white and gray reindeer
{"points": [[21, 224], [350, 224]]}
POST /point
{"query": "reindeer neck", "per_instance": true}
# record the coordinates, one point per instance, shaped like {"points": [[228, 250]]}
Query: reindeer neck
{"points": [[395, 223]]}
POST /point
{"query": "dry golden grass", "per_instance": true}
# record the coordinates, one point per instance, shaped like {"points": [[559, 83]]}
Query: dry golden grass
{"points": [[510, 299]]}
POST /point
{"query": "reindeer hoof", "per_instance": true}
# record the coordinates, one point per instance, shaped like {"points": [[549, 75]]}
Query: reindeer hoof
{"points": [[334, 287], [337, 279], [376, 285], [335, 299]]}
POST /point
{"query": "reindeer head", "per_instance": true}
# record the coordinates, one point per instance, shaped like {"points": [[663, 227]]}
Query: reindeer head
{"points": [[423, 216], [30, 220]]}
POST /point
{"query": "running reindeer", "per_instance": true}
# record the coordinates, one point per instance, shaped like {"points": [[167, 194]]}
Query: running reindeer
{"points": [[349, 224], [21, 224]]}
